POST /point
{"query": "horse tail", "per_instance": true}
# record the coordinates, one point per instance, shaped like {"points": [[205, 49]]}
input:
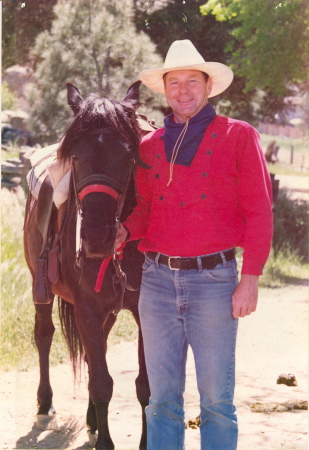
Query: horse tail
{"points": [[70, 333]]}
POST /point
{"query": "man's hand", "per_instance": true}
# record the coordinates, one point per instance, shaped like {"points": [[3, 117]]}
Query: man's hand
{"points": [[121, 236], [245, 296]]}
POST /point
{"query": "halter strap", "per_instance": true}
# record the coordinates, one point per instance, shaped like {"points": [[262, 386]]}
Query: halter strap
{"points": [[98, 188], [102, 179]]}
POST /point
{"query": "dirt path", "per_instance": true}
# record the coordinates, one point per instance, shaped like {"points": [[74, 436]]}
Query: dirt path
{"points": [[271, 341]]}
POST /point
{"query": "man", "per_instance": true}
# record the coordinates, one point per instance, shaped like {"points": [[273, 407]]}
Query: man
{"points": [[207, 191]]}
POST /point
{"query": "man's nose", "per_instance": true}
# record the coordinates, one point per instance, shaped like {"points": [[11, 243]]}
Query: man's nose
{"points": [[183, 87]]}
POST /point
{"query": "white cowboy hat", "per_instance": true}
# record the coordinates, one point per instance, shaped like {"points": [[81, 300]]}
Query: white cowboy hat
{"points": [[182, 55]]}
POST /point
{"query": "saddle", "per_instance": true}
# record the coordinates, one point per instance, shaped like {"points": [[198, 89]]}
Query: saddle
{"points": [[47, 267], [48, 182]]}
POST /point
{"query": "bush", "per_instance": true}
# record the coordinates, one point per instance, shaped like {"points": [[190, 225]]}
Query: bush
{"points": [[9, 99], [291, 226]]}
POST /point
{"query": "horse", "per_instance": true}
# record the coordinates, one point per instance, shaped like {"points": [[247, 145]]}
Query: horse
{"points": [[101, 148]]}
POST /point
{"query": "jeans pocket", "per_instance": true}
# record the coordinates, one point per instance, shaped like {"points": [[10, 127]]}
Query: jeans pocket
{"points": [[223, 273], [148, 265]]}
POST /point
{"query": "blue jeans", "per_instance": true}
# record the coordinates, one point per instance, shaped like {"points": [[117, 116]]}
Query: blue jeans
{"points": [[180, 308]]}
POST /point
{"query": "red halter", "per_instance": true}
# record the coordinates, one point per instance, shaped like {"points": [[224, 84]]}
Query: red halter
{"points": [[98, 188]]}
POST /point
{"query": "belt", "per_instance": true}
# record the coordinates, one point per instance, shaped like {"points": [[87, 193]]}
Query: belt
{"points": [[177, 263]]}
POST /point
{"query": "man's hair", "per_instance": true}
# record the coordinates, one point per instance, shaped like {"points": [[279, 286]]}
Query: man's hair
{"points": [[206, 76]]}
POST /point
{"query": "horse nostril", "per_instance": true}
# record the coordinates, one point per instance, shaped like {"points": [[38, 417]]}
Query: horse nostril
{"points": [[98, 240]]}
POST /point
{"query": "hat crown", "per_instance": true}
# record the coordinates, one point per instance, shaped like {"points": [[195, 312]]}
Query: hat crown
{"points": [[182, 53]]}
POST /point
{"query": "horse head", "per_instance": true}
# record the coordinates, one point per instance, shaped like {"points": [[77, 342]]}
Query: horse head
{"points": [[102, 145]]}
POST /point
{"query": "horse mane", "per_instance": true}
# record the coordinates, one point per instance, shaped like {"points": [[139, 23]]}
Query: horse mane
{"points": [[95, 113]]}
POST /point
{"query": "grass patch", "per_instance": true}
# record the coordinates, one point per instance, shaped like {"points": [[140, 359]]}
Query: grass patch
{"points": [[300, 164], [284, 269], [284, 142], [12, 151], [18, 349], [125, 328]]}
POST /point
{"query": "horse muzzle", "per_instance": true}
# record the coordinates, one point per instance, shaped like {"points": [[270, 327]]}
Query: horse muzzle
{"points": [[98, 245]]}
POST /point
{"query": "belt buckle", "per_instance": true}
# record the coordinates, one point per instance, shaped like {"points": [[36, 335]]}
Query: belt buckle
{"points": [[169, 262]]}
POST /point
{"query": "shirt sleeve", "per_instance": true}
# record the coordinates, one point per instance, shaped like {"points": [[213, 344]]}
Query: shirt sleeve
{"points": [[255, 197]]}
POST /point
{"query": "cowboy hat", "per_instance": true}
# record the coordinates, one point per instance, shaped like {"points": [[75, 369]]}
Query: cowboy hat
{"points": [[182, 55]]}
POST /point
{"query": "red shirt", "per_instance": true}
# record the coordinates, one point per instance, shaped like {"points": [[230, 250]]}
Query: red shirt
{"points": [[223, 199]]}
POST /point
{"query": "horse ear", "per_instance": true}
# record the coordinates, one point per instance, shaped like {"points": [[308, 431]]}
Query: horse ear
{"points": [[132, 95], [74, 98]]}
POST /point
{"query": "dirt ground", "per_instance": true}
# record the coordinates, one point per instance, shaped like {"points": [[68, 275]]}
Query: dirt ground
{"points": [[298, 186], [272, 341]]}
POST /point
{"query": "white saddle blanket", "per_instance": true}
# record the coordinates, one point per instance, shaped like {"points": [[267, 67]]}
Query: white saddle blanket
{"points": [[44, 162]]}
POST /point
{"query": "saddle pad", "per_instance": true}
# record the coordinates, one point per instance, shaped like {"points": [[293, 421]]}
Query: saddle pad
{"points": [[44, 162], [39, 160]]}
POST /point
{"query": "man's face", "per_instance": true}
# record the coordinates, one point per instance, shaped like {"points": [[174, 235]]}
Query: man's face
{"points": [[186, 92]]}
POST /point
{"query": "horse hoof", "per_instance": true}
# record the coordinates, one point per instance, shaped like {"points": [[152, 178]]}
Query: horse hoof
{"points": [[92, 438], [46, 422]]}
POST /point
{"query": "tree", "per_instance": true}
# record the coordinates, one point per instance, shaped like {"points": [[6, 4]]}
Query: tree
{"points": [[269, 46], [94, 45], [22, 22], [167, 20]]}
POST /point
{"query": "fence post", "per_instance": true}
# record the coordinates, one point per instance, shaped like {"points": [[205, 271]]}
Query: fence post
{"points": [[292, 154]]}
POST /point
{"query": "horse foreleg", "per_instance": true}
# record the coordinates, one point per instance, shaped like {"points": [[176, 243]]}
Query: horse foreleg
{"points": [[93, 327], [91, 419], [43, 334], [104, 441], [141, 382]]}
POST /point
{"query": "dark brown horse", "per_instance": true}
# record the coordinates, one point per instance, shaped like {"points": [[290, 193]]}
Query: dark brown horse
{"points": [[101, 147]]}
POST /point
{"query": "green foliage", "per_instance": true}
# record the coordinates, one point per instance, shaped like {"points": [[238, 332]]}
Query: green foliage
{"points": [[125, 328], [91, 41], [22, 21], [179, 19], [284, 268], [182, 20], [291, 227], [8, 98], [269, 45], [215, 41]]}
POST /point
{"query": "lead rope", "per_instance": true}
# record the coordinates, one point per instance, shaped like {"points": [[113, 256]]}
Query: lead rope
{"points": [[176, 149]]}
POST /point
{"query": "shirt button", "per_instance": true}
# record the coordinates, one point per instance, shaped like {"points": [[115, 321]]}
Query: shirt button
{"points": [[204, 174], [157, 175], [161, 197], [158, 155], [181, 203], [214, 135], [208, 152], [203, 196]]}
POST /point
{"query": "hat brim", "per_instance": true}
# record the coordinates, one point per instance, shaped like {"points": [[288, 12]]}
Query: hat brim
{"points": [[221, 75]]}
